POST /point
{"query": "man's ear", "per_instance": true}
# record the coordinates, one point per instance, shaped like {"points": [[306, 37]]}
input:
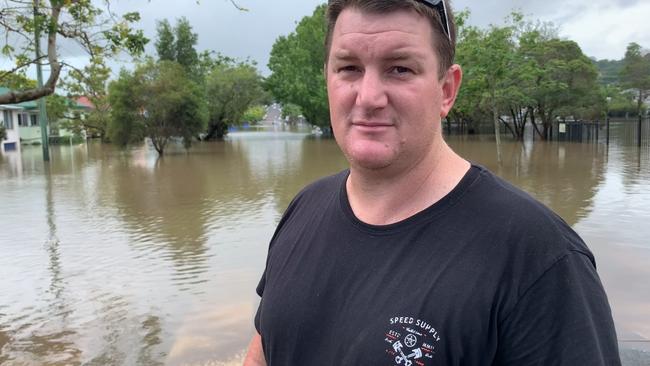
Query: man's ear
{"points": [[450, 86]]}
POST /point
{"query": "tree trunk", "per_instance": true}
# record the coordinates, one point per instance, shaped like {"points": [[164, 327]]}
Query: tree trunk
{"points": [[159, 144], [509, 128], [495, 116], [14, 97], [216, 131], [532, 120], [639, 110]]}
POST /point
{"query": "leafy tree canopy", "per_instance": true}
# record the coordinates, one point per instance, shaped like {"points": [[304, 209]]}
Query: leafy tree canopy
{"points": [[296, 65], [522, 70], [159, 101], [231, 89], [254, 114], [178, 43], [292, 112], [95, 29], [609, 71], [635, 73], [90, 82]]}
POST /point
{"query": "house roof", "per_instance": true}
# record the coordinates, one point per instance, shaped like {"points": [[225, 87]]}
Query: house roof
{"points": [[29, 105], [33, 104], [10, 107], [85, 102]]}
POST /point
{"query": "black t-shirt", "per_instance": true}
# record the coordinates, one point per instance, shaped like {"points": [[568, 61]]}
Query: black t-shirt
{"points": [[485, 276]]}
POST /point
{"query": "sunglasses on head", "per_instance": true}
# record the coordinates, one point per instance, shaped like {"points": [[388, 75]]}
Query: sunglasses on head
{"points": [[439, 6]]}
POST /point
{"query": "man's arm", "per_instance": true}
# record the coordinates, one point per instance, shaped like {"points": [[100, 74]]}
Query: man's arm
{"points": [[255, 355], [562, 319]]}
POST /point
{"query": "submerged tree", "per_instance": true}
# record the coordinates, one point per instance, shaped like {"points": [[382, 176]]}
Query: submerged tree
{"points": [[178, 44], [157, 101], [566, 80], [522, 73], [636, 75], [291, 113], [91, 83], [231, 89]]}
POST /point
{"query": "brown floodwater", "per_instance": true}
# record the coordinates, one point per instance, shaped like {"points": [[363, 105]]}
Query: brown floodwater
{"points": [[115, 257]]}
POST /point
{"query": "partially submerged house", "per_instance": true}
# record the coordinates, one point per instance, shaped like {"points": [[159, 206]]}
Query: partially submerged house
{"points": [[8, 120], [22, 123]]}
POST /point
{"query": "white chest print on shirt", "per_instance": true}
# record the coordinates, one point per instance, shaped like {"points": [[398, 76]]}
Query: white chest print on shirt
{"points": [[411, 341]]}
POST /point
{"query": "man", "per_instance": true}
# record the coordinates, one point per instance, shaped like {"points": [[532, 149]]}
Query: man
{"points": [[415, 256]]}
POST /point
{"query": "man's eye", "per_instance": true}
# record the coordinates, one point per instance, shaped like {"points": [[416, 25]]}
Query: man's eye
{"points": [[348, 68], [400, 70]]}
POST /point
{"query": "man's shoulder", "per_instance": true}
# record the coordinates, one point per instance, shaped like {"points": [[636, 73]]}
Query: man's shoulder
{"points": [[323, 187], [501, 200], [317, 193], [527, 232]]}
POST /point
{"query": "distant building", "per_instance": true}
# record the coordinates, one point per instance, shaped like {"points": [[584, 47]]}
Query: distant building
{"points": [[8, 119], [22, 123]]}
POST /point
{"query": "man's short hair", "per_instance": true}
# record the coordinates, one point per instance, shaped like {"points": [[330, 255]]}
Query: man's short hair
{"points": [[444, 46]]}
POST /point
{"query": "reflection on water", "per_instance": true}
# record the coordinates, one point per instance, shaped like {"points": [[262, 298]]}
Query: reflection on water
{"points": [[117, 257]]}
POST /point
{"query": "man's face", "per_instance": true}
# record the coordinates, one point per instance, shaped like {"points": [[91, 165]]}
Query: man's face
{"points": [[385, 98]]}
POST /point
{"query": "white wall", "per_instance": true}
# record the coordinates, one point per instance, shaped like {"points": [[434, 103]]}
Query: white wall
{"points": [[13, 135]]}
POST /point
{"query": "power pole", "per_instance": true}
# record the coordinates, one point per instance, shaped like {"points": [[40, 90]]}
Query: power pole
{"points": [[640, 123], [42, 113], [609, 99]]}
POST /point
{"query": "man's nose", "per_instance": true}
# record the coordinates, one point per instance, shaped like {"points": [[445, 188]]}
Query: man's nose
{"points": [[371, 91]]}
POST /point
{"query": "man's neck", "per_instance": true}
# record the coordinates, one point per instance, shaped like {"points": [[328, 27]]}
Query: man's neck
{"points": [[382, 198]]}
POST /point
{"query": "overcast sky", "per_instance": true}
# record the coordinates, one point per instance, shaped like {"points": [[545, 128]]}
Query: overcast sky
{"points": [[603, 28]]}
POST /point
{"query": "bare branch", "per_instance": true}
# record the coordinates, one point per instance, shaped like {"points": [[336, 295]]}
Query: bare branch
{"points": [[237, 6], [48, 88], [4, 74]]}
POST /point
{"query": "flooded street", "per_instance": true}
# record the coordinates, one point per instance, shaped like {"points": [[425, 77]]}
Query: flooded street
{"points": [[116, 257]]}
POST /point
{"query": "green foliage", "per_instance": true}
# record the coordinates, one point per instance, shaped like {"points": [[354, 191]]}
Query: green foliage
{"points": [[90, 82], [567, 79], [636, 74], [165, 42], [296, 63], [100, 33], [520, 73], [254, 114], [178, 44], [3, 133], [66, 140], [490, 58], [186, 40], [126, 123], [158, 101], [609, 71], [620, 103], [231, 89], [16, 80], [56, 107], [291, 112]]}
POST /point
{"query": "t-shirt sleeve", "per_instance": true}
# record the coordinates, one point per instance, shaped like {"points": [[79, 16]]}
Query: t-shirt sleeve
{"points": [[563, 318], [260, 292]]}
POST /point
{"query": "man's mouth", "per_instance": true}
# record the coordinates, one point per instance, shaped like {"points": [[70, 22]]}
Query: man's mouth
{"points": [[371, 124]]}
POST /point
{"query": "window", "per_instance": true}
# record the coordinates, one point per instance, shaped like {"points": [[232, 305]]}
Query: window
{"points": [[8, 120], [33, 118], [23, 120]]}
